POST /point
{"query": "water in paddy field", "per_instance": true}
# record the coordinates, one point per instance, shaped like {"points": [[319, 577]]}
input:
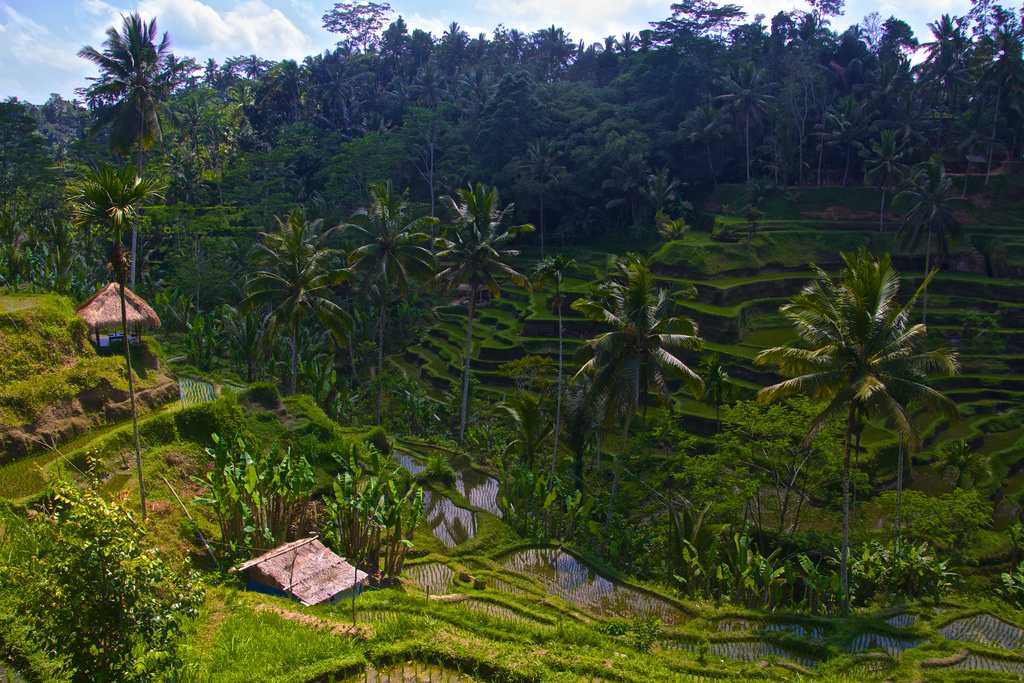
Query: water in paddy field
{"points": [[450, 523], [986, 663], [195, 391], [984, 629], [570, 579], [875, 641], [479, 489], [9, 675], [433, 577]]}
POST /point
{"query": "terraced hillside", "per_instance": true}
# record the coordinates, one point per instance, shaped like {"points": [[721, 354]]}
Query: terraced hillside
{"points": [[733, 290]]}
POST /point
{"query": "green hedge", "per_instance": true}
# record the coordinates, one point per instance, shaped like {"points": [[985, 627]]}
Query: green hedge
{"points": [[223, 417]]}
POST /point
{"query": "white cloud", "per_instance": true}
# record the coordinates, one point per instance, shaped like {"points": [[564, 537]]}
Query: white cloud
{"points": [[437, 26], [30, 44], [252, 26], [591, 20]]}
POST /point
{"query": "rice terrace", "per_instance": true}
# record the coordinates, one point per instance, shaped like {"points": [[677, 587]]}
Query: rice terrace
{"points": [[563, 341]]}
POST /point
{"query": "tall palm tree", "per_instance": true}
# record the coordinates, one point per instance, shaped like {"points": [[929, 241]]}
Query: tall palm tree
{"points": [[109, 198], [542, 169], [390, 254], [859, 353], [133, 84], [476, 255], [295, 281], [930, 200], [704, 126], [636, 354], [554, 269], [1005, 73], [748, 95], [716, 385], [884, 167]]}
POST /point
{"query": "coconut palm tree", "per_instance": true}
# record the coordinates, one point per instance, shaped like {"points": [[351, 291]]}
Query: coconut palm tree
{"points": [[133, 84], [295, 281], [930, 201], [554, 269], [704, 126], [391, 255], [859, 353], [748, 95], [716, 385], [542, 169], [476, 255], [884, 167], [109, 198], [532, 428], [636, 354]]}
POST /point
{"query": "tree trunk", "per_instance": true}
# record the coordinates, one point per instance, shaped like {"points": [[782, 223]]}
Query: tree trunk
{"points": [[844, 554], [131, 398], [542, 222], [899, 503], [468, 353], [380, 361], [616, 468], [881, 213], [293, 380], [711, 165], [558, 395], [992, 140], [927, 269], [846, 169], [747, 137]]}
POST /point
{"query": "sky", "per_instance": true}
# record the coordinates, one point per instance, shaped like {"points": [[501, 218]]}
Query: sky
{"points": [[39, 39]]}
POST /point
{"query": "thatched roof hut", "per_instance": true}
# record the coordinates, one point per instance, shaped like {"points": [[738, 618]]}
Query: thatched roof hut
{"points": [[103, 310], [305, 569]]}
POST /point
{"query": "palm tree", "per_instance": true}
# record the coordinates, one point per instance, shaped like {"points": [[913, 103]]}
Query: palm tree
{"points": [[555, 268], [296, 280], [542, 168], [716, 385], [930, 199], [1006, 74], [531, 427], [859, 353], [883, 166], [476, 255], [704, 126], [391, 255], [133, 84], [637, 353], [747, 94], [109, 199]]}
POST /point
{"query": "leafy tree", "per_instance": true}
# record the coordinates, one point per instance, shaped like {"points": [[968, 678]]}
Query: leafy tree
{"points": [[108, 198], [967, 467], [531, 427], [358, 23], [541, 168], [859, 354], [295, 281], [87, 584], [390, 254], [555, 268], [130, 92], [716, 385], [476, 255]]}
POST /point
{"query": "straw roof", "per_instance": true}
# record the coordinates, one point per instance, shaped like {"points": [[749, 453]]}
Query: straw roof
{"points": [[103, 310], [305, 568]]}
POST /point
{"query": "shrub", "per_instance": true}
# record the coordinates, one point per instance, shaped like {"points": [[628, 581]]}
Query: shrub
{"points": [[223, 417], [263, 394], [438, 469], [87, 587], [159, 430], [1012, 586]]}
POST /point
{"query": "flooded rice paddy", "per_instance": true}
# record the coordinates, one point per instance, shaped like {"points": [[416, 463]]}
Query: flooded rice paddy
{"points": [[984, 629], [563, 575]]}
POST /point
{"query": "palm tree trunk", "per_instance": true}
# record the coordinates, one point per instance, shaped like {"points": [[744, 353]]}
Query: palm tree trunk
{"points": [[616, 468], [992, 140], [468, 353], [542, 222], [711, 165], [293, 379], [927, 269], [558, 396], [747, 137], [846, 169], [881, 213], [131, 398], [380, 361], [899, 502], [844, 554]]}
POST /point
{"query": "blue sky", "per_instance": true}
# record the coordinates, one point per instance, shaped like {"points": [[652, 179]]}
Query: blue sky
{"points": [[39, 38]]}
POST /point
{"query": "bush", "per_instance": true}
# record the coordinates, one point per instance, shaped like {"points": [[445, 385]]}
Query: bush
{"points": [[159, 430], [87, 587], [263, 394], [223, 417], [437, 469]]}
